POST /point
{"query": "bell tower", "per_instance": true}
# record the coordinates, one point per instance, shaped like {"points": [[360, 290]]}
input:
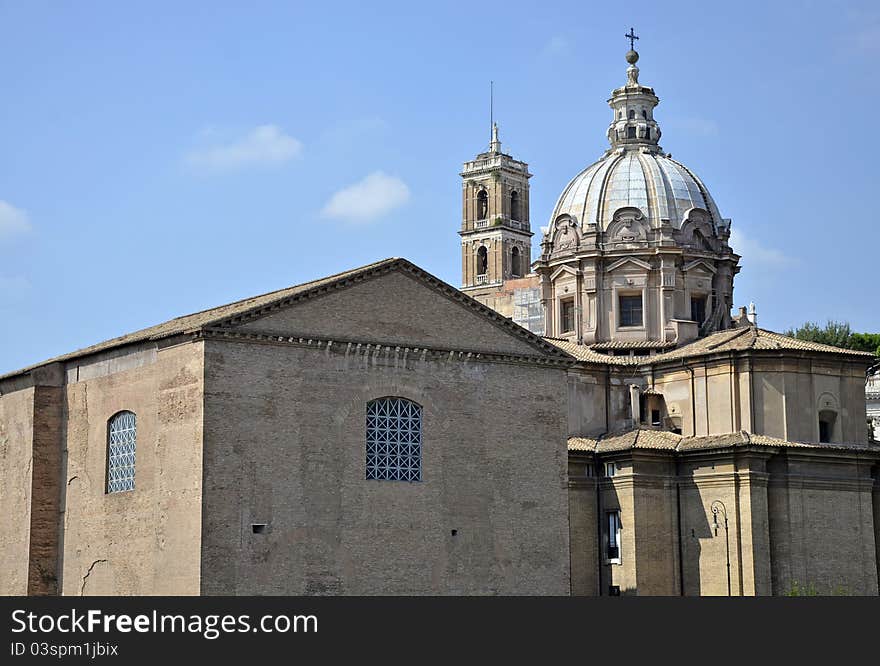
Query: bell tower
{"points": [[495, 231]]}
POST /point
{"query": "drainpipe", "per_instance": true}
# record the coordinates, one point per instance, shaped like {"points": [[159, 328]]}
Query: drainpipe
{"points": [[598, 526], [693, 400], [607, 397], [678, 510]]}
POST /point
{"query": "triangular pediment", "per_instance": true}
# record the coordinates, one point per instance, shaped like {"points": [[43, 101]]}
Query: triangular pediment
{"points": [[393, 303], [629, 260], [563, 269], [699, 263]]}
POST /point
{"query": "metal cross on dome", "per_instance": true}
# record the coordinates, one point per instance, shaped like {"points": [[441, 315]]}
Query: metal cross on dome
{"points": [[632, 39]]}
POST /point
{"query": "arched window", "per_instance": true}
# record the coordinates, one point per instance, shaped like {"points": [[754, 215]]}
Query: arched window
{"points": [[121, 445], [514, 205], [515, 261], [482, 260], [394, 440], [644, 114], [482, 205], [631, 115]]}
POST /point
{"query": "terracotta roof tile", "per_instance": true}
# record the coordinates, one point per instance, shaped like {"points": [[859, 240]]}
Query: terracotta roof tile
{"points": [[586, 354], [735, 339], [643, 438]]}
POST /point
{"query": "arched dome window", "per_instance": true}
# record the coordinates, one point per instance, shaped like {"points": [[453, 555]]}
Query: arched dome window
{"points": [[632, 114], [514, 205], [121, 445], [482, 260], [515, 260], [482, 205], [644, 114]]}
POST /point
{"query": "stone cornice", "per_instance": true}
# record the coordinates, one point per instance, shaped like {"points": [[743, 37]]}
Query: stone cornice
{"points": [[375, 350]]}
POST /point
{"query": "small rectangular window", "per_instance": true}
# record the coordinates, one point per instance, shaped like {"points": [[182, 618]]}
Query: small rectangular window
{"points": [[610, 469], [630, 310], [614, 528], [655, 417], [630, 132], [698, 309], [567, 315]]}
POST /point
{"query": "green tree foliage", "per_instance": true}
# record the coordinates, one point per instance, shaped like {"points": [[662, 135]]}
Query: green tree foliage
{"points": [[838, 334]]}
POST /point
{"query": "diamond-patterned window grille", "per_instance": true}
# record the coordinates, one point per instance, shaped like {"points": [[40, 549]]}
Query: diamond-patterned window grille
{"points": [[394, 440], [121, 444]]}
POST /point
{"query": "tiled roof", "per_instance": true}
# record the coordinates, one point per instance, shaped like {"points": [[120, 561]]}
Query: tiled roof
{"points": [[639, 438], [750, 337], [735, 339], [215, 316], [586, 353], [632, 344]]}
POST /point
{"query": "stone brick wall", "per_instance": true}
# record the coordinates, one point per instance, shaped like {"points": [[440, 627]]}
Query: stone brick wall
{"points": [[393, 309], [144, 541], [45, 490], [806, 519], [16, 465], [285, 447]]}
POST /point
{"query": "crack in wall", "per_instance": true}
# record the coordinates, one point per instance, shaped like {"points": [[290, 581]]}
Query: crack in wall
{"points": [[89, 573]]}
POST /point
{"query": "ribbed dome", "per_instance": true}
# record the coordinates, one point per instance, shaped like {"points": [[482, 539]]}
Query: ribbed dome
{"points": [[660, 187]]}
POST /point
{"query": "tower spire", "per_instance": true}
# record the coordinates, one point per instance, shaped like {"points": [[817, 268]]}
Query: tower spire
{"points": [[494, 142]]}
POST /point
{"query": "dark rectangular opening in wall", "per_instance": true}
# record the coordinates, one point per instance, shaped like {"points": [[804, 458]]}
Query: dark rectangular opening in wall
{"points": [[614, 590], [567, 315], [655, 417], [259, 528]]}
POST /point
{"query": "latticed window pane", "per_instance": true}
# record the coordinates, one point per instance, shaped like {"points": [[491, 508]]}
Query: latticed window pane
{"points": [[121, 444], [394, 440]]}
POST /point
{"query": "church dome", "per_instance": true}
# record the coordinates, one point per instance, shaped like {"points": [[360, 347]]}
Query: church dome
{"points": [[635, 172], [661, 188]]}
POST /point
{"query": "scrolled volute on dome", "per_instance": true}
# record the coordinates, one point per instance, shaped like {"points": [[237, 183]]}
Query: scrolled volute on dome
{"points": [[564, 235], [629, 227]]}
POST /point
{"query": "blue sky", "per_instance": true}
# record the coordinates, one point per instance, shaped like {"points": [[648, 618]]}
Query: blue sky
{"points": [[161, 158]]}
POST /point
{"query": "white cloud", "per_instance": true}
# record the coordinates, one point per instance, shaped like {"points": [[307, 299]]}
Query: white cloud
{"points": [[12, 220], [753, 251], [368, 199], [557, 45], [266, 145]]}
